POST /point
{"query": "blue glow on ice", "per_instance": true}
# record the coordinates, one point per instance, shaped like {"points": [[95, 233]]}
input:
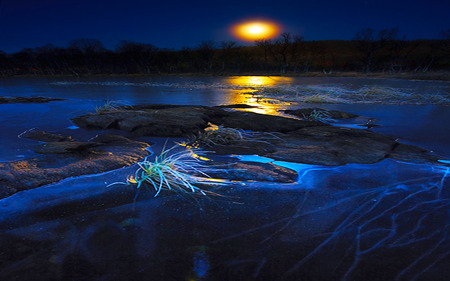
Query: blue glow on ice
{"points": [[73, 127], [444, 161], [301, 169], [353, 126], [254, 158]]}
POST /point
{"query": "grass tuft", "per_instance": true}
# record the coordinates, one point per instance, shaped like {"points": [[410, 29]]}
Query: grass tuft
{"points": [[319, 115], [318, 98], [109, 106], [171, 171], [216, 135]]}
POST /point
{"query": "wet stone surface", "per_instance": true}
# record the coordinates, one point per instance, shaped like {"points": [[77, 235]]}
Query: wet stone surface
{"points": [[335, 231], [63, 159], [303, 141]]}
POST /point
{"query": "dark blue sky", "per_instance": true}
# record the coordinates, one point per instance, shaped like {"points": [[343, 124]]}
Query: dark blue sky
{"points": [[175, 23]]}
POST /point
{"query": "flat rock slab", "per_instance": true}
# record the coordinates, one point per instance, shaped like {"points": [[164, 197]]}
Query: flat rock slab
{"points": [[329, 145], [182, 121], [251, 171], [300, 141], [110, 152]]}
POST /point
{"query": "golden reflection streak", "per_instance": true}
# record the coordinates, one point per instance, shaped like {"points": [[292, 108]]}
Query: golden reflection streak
{"points": [[252, 84]]}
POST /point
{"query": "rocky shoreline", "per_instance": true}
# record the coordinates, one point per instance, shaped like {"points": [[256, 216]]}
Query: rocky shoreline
{"points": [[306, 140]]}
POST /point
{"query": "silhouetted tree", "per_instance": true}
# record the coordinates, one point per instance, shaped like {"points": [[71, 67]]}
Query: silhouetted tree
{"points": [[87, 46], [205, 56], [137, 57], [268, 50], [369, 43], [371, 50]]}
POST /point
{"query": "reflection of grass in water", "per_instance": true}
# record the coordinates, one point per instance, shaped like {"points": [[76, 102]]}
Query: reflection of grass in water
{"points": [[170, 172]]}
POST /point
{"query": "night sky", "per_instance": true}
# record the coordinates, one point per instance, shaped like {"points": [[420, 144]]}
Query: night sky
{"points": [[175, 23]]}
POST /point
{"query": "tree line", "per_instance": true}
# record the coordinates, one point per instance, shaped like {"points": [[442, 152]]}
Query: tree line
{"points": [[370, 51]]}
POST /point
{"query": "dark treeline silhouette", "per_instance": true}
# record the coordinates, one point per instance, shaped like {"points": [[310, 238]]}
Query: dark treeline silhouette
{"points": [[370, 51]]}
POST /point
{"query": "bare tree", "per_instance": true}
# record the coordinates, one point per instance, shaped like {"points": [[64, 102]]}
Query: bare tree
{"points": [[205, 51], [369, 43], [267, 46], [87, 46], [138, 57]]}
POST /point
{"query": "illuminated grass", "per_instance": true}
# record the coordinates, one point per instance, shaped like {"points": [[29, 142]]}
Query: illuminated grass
{"points": [[318, 98], [336, 95], [275, 91], [318, 115], [175, 172], [110, 106], [216, 135]]}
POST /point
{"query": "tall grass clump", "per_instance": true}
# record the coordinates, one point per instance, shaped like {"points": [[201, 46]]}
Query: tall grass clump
{"points": [[216, 135], [317, 98], [179, 172], [109, 106], [318, 115]]}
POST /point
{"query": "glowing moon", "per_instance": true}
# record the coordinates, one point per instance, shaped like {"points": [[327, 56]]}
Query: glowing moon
{"points": [[255, 30]]}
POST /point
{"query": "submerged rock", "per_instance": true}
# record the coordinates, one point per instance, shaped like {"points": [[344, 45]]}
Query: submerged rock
{"points": [[44, 136], [64, 147], [27, 100]]}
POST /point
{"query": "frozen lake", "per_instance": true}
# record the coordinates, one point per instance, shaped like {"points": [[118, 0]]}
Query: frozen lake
{"points": [[382, 221]]}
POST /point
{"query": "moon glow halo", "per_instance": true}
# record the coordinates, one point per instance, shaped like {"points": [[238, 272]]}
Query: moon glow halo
{"points": [[255, 30]]}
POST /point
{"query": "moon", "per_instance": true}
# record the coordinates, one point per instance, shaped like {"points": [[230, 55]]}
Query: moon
{"points": [[255, 30]]}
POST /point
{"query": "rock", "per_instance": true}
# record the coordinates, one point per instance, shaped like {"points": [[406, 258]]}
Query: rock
{"points": [[412, 154], [69, 162], [111, 138], [303, 141], [243, 147], [333, 114], [333, 146], [251, 171], [64, 147], [166, 122], [44, 136], [181, 121], [262, 123], [27, 100]]}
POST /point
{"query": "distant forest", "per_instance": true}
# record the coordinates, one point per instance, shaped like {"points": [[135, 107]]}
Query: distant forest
{"points": [[370, 51]]}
